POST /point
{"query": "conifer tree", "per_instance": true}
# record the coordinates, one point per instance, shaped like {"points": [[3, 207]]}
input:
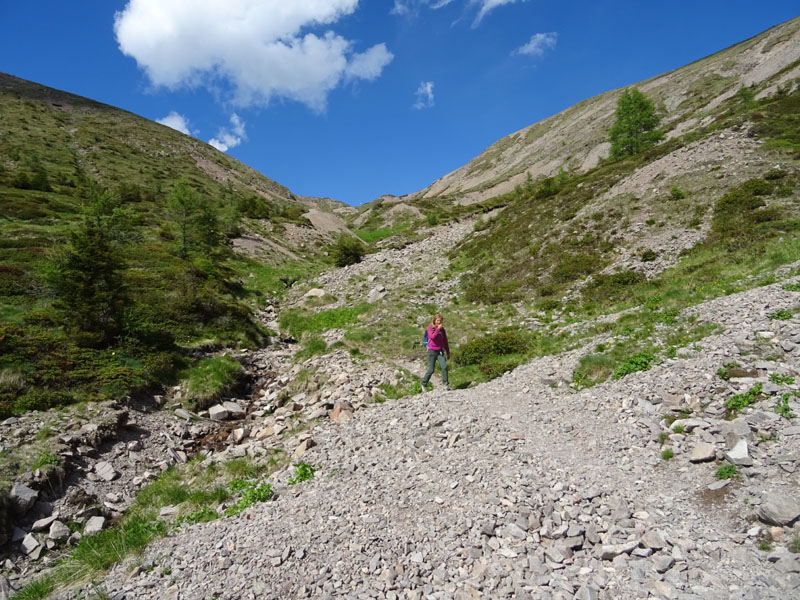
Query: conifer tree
{"points": [[636, 127]]}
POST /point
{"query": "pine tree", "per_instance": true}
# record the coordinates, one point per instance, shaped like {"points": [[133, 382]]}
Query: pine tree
{"points": [[635, 128]]}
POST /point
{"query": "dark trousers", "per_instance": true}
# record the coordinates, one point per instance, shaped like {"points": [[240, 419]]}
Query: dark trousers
{"points": [[435, 356]]}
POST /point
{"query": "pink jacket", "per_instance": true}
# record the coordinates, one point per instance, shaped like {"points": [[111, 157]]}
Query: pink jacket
{"points": [[437, 340]]}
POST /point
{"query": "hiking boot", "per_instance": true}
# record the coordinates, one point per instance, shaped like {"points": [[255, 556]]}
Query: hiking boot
{"points": [[447, 387]]}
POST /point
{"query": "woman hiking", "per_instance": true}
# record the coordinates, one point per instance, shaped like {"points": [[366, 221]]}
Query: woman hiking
{"points": [[438, 351]]}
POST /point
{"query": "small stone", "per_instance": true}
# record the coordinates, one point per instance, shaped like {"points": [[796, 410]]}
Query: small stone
{"points": [[554, 554], [585, 593], [235, 411], [303, 448], [739, 454], [43, 524], [718, 485], [182, 413]]}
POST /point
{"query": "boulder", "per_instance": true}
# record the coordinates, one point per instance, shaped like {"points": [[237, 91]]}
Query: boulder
{"points": [[94, 525], [106, 471], [218, 413], [779, 509], [702, 452], [59, 532], [23, 498]]}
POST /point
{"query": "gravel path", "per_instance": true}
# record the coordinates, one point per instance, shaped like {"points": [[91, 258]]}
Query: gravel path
{"points": [[524, 488]]}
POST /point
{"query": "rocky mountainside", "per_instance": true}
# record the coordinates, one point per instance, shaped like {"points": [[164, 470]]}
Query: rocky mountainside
{"points": [[526, 486], [575, 140]]}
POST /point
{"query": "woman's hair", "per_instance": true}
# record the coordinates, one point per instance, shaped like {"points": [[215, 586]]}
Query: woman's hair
{"points": [[437, 316]]}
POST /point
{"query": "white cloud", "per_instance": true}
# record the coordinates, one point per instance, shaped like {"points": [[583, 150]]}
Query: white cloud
{"points": [[538, 44], [424, 95], [262, 49], [176, 121], [229, 137], [486, 6], [411, 7]]}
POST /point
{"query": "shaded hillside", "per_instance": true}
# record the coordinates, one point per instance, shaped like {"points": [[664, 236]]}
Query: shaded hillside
{"points": [[109, 266]]}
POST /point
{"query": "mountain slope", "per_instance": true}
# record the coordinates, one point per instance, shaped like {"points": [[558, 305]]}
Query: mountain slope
{"points": [[123, 241], [575, 140]]}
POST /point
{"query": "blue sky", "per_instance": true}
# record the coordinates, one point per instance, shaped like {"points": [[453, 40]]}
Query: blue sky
{"points": [[354, 99]]}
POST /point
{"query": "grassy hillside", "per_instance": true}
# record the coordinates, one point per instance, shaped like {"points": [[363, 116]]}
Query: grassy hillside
{"points": [[110, 270]]}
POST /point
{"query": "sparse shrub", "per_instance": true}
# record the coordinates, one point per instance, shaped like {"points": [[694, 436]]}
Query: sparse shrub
{"points": [[676, 193], [203, 514], [648, 255], [251, 494], [739, 401], [667, 454], [592, 369], [781, 379], [775, 174], [302, 472], [792, 287], [574, 266], [312, 346], [764, 546], [726, 472], [678, 429], [548, 304], [432, 219], [210, 379], [45, 459], [781, 315], [641, 361], [782, 408], [794, 546]]}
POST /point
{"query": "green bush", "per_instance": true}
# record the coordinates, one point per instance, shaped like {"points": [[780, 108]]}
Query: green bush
{"points": [[641, 361], [348, 251], [648, 255], [726, 472], [477, 351], [300, 321], [496, 366], [302, 472], [739, 401], [677, 193]]}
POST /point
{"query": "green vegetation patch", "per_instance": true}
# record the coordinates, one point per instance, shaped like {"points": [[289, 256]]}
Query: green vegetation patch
{"points": [[210, 380], [298, 321], [739, 401]]}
